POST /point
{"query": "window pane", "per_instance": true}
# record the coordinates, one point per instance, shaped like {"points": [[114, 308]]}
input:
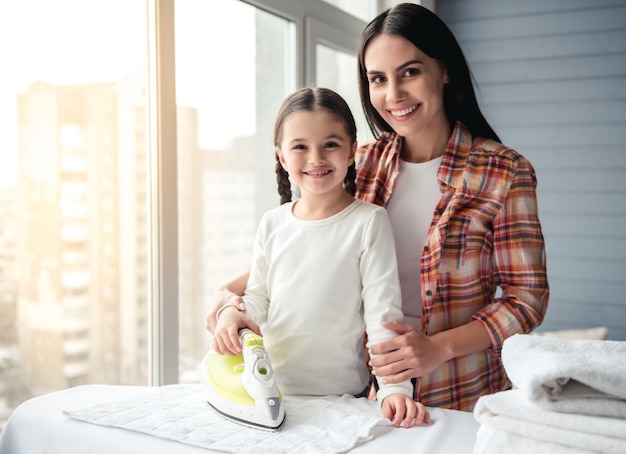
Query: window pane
{"points": [[72, 197], [227, 97], [363, 9], [338, 71]]}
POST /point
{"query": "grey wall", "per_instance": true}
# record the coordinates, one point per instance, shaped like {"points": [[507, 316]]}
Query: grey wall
{"points": [[552, 81]]}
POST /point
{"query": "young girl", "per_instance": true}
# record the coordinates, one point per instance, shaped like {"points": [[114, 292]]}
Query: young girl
{"points": [[324, 268]]}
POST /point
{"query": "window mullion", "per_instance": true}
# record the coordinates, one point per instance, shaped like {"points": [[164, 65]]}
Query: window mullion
{"points": [[162, 190]]}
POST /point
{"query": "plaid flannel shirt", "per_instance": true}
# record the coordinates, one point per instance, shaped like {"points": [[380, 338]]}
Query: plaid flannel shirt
{"points": [[485, 233]]}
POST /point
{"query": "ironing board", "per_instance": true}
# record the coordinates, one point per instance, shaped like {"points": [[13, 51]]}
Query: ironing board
{"points": [[39, 425]]}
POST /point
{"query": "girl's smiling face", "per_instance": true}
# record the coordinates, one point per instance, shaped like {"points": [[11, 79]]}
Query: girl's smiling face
{"points": [[316, 151], [405, 85]]}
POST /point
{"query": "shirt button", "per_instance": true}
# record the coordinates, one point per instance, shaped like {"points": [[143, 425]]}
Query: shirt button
{"points": [[428, 292], [425, 248]]}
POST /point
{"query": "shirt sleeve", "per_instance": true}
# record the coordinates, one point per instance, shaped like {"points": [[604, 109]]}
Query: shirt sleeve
{"points": [[519, 261], [256, 296], [381, 289]]}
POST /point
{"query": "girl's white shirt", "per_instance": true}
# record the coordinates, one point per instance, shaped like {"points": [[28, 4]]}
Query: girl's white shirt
{"points": [[315, 287]]}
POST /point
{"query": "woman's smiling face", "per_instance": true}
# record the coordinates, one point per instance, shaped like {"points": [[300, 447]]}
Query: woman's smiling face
{"points": [[405, 85]]}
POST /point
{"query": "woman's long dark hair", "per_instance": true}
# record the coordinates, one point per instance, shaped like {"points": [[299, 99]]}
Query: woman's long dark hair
{"points": [[432, 36], [312, 99]]}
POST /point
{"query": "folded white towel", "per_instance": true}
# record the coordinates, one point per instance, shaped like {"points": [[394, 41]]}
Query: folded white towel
{"points": [[571, 376], [508, 415], [492, 441], [180, 413]]}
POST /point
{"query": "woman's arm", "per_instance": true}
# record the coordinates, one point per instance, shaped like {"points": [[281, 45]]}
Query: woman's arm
{"points": [[519, 263], [413, 354], [230, 293]]}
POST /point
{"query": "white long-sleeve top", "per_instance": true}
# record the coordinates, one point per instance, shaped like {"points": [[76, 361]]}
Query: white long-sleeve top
{"points": [[315, 287]]}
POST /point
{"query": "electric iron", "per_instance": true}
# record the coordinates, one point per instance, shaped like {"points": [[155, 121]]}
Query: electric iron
{"points": [[243, 388]]}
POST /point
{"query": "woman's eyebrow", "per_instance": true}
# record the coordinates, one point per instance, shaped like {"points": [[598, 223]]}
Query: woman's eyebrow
{"points": [[401, 67]]}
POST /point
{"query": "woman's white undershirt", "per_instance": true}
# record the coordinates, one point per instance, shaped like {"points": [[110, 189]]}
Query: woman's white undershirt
{"points": [[411, 206]]}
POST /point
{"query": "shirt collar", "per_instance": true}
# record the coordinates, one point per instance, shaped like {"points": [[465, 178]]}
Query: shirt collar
{"points": [[455, 157]]}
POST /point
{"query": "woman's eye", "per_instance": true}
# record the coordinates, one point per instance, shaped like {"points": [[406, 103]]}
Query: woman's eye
{"points": [[377, 79], [409, 72]]}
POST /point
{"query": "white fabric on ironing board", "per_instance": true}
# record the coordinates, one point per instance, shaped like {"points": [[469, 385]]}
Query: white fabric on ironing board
{"points": [[179, 412], [58, 434], [571, 376], [512, 417]]}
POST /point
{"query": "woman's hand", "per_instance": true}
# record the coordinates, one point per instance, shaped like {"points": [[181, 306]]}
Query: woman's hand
{"points": [[223, 297], [413, 354], [231, 294], [409, 355]]}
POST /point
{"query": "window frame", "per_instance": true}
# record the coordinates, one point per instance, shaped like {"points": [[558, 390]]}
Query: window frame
{"points": [[163, 356]]}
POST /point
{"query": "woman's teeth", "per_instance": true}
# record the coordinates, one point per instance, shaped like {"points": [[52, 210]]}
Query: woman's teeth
{"points": [[403, 112]]}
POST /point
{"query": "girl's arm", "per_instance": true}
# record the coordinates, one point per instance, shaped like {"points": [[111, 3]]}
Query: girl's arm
{"points": [[381, 291]]}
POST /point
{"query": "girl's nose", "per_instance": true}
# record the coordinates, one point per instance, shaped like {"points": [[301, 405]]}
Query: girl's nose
{"points": [[317, 156]]}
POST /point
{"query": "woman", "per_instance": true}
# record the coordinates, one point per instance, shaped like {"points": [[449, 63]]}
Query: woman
{"points": [[463, 209]]}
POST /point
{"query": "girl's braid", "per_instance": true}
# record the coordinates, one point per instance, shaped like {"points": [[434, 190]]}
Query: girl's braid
{"points": [[349, 182], [284, 185]]}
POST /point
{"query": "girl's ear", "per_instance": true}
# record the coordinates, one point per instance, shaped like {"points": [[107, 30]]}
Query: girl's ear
{"points": [[352, 152], [281, 159]]}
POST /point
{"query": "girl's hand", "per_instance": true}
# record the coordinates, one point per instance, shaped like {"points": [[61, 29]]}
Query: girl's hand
{"points": [[226, 338], [403, 411], [409, 355]]}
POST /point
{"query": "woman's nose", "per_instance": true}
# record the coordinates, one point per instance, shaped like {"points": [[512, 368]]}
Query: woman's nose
{"points": [[395, 91]]}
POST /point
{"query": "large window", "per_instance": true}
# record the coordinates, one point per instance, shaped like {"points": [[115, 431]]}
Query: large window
{"points": [[91, 95], [73, 259]]}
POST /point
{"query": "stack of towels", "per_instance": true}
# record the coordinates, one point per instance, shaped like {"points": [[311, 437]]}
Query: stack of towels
{"points": [[569, 396]]}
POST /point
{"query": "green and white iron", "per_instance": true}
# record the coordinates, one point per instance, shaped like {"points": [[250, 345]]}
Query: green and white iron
{"points": [[243, 388]]}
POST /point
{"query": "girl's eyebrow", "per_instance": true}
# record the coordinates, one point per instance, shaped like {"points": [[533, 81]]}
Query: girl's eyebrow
{"points": [[328, 137], [399, 68]]}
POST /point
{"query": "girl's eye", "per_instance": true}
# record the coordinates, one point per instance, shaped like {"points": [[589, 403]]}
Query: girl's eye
{"points": [[299, 146], [331, 145]]}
